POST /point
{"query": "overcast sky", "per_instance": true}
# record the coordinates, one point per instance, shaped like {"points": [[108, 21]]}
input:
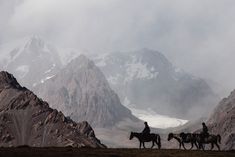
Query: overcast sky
{"points": [[196, 35]]}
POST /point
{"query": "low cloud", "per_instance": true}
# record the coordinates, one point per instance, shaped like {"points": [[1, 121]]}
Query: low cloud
{"points": [[196, 35]]}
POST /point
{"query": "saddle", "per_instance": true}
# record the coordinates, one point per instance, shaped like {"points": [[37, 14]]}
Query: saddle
{"points": [[204, 136], [146, 136], [185, 136]]}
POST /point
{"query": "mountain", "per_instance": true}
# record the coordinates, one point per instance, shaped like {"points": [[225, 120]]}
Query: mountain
{"points": [[27, 120], [81, 91], [222, 121], [32, 60], [145, 79]]}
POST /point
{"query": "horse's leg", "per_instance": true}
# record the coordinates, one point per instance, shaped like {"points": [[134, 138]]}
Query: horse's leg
{"points": [[212, 145], [191, 145], [152, 144], [159, 142], [217, 146], [203, 147], [179, 145], [143, 144], [183, 145], [196, 145], [140, 145]]}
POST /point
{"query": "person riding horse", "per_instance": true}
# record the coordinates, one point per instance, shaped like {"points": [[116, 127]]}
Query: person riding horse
{"points": [[146, 130], [204, 133], [146, 136]]}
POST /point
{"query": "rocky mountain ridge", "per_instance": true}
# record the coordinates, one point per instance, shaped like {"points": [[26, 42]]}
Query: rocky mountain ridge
{"points": [[81, 91], [32, 62], [27, 120], [146, 79], [222, 121]]}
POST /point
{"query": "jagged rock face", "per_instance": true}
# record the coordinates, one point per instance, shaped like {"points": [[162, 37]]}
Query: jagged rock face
{"points": [[27, 120], [32, 62], [81, 91], [222, 121], [146, 79]]}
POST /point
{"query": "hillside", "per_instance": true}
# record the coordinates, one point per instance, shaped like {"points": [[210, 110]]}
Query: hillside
{"points": [[27, 120], [222, 121], [145, 79], [81, 91]]}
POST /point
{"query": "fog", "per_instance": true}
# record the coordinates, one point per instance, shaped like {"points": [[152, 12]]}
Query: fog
{"points": [[195, 35]]}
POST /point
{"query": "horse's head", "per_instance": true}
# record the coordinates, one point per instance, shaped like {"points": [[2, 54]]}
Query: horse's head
{"points": [[131, 136], [170, 136]]}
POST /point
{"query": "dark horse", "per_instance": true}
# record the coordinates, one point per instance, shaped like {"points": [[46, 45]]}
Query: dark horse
{"points": [[155, 138], [211, 139], [184, 138]]}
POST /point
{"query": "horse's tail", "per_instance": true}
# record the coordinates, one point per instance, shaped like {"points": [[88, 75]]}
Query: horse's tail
{"points": [[159, 142], [218, 138]]}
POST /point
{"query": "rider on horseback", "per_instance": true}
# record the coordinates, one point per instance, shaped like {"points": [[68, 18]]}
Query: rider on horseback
{"points": [[204, 130], [146, 130]]}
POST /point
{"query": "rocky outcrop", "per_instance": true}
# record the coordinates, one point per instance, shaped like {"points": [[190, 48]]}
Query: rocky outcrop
{"points": [[81, 91], [27, 120], [222, 121]]}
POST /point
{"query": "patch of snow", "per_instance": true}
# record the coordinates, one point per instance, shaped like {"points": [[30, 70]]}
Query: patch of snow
{"points": [[178, 70], [45, 48], [47, 78], [152, 69], [101, 60], [35, 84], [49, 70], [156, 120], [67, 54], [22, 70], [114, 79], [126, 102], [137, 70]]}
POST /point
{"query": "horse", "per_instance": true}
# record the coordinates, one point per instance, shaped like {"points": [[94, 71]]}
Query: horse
{"points": [[211, 139], [184, 138], [154, 138]]}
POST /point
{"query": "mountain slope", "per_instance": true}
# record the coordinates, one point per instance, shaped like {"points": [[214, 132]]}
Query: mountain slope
{"points": [[27, 120], [32, 61], [146, 79], [222, 121], [81, 91]]}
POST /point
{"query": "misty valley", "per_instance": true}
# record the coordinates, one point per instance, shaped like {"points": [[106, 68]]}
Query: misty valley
{"points": [[117, 78], [102, 101]]}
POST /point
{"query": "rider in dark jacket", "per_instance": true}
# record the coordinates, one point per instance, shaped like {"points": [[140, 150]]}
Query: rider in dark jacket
{"points": [[146, 130], [205, 130]]}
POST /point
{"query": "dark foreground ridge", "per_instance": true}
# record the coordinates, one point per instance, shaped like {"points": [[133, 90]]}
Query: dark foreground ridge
{"points": [[88, 152], [25, 119]]}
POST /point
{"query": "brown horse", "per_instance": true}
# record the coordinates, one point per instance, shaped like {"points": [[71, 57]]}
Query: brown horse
{"points": [[183, 138], [211, 139], [154, 138]]}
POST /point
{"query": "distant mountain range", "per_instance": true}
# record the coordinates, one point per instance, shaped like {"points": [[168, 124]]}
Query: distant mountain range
{"points": [[143, 79], [81, 91], [32, 61], [27, 120], [146, 79]]}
